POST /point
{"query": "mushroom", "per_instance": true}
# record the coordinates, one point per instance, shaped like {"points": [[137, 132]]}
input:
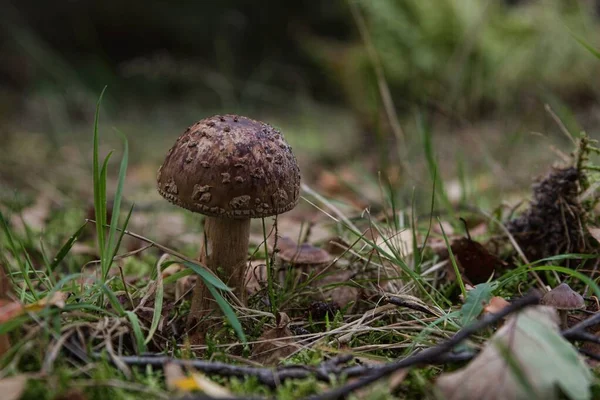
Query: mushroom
{"points": [[563, 299], [303, 254], [231, 169]]}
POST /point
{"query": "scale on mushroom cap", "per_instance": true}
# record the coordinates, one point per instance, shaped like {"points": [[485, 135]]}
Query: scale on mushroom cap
{"points": [[231, 169]]}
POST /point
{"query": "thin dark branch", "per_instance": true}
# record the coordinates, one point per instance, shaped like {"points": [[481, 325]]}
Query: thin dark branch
{"points": [[590, 354], [575, 331], [401, 302], [267, 376], [584, 337], [426, 356]]}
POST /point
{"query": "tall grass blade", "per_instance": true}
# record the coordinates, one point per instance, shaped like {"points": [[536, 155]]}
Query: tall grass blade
{"points": [[64, 250], [98, 208], [111, 248]]}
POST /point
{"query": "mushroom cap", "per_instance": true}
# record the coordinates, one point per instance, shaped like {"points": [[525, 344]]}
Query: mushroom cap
{"points": [[563, 297], [233, 167], [303, 254]]}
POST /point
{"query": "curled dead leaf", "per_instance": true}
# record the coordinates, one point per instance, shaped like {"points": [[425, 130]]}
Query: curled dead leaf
{"points": [[12, 388], [526, 359], [475, 263], [496, 305], [275, 344]]}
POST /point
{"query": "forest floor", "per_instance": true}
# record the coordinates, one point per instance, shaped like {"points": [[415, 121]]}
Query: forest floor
{"points": [[422, 260]]}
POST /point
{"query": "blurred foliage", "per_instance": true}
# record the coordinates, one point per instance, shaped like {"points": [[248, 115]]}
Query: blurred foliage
{"points": [[466, 57], [459, 57]]}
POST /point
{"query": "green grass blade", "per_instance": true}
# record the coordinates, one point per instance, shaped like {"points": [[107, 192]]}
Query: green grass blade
{"points": [[116, 209], [122, 232], [463, 290], [158, 305], [433, 167], [137, 332], [113, 299], [64, 250], [595, 52], [23, 266], [228, 311], [98, 208], [207, 276], [178, 275]]}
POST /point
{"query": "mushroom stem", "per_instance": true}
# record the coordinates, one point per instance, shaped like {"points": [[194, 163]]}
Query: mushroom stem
{"points": [[225, 251], [564, 322]]}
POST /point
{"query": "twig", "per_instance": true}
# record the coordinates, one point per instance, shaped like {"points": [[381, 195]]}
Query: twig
{"points": [[413, 305], [430, 354], [267, 376], [575, 332]]}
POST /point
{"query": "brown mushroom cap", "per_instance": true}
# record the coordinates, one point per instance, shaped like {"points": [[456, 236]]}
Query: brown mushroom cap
{"points": [[231, 166], [563, 297], [304, 254]]}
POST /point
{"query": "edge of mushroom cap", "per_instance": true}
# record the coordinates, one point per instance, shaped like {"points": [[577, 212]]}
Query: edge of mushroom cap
{"points": [[563, 297], [302, 254], [279, 201], [251, 213]]}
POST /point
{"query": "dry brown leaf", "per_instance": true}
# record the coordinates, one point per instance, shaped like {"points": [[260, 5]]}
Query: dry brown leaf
{"points": [[11, 309], [57, 300], [496, 305], [173, 376], [595, 232], [397, 378], [172, 270], [342, 295], [177, 381], [256, 276], [12, 388], [275, 344], [34, 216], [538, 354], [395, 243], [212, 389], [475, 263], [72, 394]]}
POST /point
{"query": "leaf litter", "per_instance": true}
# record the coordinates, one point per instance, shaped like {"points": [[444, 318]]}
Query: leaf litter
{"points": [[525, 359], [338, 309]]}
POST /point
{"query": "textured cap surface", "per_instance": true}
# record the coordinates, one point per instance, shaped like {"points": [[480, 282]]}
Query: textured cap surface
{"points": [[231, 166], [303, 254], [563, 297]]}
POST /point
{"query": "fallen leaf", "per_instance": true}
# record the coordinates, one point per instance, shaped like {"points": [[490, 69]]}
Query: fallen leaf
{"points": [[339, 291], [495, 305], [177, 380], [397, 378], [12, 388], [12, 309], [526, 359], [72, 394], [275, 344], [595, 232], [173, 376], [477, 298], [475, 263], [395, 244], [57, 300], [256, 276], [34, 217], [212, 389]]}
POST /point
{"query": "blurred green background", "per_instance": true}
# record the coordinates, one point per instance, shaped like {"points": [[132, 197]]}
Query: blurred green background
{"points": [[476, 73]]}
